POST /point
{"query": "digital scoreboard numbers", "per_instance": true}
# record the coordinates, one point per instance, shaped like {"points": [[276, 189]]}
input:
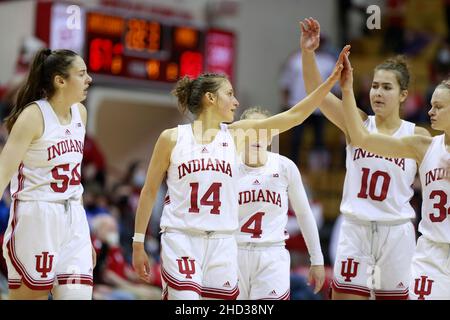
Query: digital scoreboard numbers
{"points": [[120, 45], [142, 49]]}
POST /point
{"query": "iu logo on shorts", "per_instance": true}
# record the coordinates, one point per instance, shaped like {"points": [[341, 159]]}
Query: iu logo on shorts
{"points": [[422, 287], [349, 269], [186, 266], [44, 263]]}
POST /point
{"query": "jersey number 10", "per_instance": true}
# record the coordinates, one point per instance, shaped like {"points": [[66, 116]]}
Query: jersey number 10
{"points": [[372, 181]]}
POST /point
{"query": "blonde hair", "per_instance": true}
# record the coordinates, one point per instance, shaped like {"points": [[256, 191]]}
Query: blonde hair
{"points": [[255, 110], [444, 84]]}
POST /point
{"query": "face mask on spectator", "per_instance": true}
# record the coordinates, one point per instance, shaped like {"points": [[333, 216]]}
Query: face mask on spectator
{"points": [[112, 239], [444, 56], [139, 180]]}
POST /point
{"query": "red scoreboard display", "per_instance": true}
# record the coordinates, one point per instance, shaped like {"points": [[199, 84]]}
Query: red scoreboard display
{"points": [[143, 49], [129, 47]]}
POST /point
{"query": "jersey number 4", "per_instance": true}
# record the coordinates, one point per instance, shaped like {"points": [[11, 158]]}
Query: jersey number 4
{"points": [[371, 181], [213, 192], [65, 177], [253, 225]]}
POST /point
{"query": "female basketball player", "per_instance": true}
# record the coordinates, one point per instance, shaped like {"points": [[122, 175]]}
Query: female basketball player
{"points": [[377, 238], [267, 182], [431, 262], [47, 244], [199, 252]]}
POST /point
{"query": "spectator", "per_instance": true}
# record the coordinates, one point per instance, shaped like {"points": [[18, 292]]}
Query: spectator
{"points": [[114, 277], [292, 91]]}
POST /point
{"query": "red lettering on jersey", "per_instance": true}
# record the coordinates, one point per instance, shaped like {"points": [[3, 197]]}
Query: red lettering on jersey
{"points": [[63, 147], [203, 164], [435, 175], [361, 154], [259, 196]]}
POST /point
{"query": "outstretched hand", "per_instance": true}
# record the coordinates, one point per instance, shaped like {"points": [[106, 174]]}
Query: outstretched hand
{"points": [[310, 38], [339, 67], [346, 80]]}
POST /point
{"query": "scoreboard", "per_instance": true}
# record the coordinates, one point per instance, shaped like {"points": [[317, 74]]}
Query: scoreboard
{"points": [[122, 45], [141, 48]]}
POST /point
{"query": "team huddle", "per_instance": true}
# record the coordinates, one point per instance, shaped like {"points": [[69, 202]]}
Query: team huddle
{"points": [[223, 226]]}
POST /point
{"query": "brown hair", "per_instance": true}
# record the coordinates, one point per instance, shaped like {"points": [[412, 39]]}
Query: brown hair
{"points": [[399, 66], [190, 92], [46, 65]]}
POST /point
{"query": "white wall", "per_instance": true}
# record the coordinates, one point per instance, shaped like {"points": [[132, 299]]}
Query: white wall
{"points": [[16, 23]]}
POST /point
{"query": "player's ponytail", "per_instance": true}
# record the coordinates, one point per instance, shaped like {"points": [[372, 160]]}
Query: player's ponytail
{"points": [[46, 65], [190, 92]]}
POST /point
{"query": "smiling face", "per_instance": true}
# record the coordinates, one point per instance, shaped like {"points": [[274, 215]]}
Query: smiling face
{"points": [[385, 94], [226, 101], [440, 109]]}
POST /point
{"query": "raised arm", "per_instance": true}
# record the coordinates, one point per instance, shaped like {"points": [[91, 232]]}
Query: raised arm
{"points": [[28, 126], [298, 113], [157, 169], [300, 205], [413, 146], [309, 42]]}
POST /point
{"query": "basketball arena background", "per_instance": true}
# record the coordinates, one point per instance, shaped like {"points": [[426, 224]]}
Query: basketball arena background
{"points": [[136, 50]]}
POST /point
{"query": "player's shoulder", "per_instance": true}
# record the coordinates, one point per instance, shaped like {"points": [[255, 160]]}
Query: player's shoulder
{"points": [[83, 112], [421, 131], [32, 114], [283, 161], [169, 136]]}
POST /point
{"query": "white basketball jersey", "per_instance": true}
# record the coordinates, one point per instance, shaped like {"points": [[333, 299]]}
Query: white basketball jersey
{"points": [[263, 200], [51, 168], [201, 182], [435, 223], [378, 188]]}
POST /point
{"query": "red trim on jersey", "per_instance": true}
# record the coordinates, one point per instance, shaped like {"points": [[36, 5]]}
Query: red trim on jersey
{"points": [[165, 293], [284, 296], [20, 183], [75, 279], [26, 278], [350, 289], [206, 292], [392, 295], [14, 283]]}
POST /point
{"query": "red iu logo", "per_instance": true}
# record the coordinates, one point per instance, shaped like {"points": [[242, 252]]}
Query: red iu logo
{"points": [[186, 266], [348, 271], [422, 287], [44, 263]]}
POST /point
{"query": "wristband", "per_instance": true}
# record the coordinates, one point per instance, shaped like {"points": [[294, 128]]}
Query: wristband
{"points": [[139, 237]]}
